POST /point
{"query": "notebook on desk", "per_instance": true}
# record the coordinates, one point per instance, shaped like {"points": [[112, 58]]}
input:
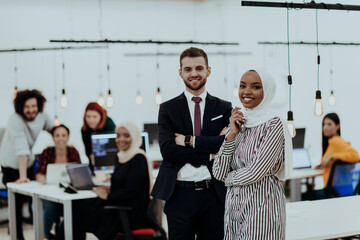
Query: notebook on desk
{"points": [[80, 176], [57, 172], [301, 158]]}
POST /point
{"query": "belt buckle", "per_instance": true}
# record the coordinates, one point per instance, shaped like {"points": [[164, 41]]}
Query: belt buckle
{"points": [[198, 188]]}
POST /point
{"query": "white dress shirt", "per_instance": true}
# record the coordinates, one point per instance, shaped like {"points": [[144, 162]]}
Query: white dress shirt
{"points": [[189, 172]]}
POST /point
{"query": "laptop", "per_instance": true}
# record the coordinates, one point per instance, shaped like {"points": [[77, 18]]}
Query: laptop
{"points": [[299, 139], [56, 173], [80, 176], [301, 158], [105, 150]]}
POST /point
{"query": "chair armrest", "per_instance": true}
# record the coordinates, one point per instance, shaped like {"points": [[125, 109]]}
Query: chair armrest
{"points": [[119, 208]]}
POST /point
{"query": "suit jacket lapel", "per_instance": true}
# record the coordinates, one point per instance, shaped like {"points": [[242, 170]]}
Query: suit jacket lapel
{"points": [[209, 106], [185, 114]]}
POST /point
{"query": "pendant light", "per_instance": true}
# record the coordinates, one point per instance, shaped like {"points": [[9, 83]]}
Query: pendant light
{"points": [[235, 91], [332, 96], [158, 96], [15, 77], [318, 107], [63, 97], [109, 97], [101, 99], [138, 98], [290, 115], [56, 121]]}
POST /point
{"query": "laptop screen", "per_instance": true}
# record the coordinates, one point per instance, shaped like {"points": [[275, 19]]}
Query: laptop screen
{"points": [[298, 140], [105, 149], [80, 176], [301, 158]]}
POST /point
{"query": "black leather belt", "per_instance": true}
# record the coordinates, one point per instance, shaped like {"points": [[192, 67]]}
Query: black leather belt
{"points": [[198, 186]]}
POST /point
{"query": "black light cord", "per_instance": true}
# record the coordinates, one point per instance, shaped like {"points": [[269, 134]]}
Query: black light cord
{"points": [[318, 54], [288, 47]]}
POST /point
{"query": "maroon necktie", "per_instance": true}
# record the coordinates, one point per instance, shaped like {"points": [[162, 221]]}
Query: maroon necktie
{"points": [[197, 116]]}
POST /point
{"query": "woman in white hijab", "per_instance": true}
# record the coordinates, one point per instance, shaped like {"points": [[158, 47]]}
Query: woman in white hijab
{"points": [[130, 186], [254, 160]]}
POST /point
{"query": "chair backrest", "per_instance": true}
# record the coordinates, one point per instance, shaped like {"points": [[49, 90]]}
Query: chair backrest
{"points": [[344, 179]]}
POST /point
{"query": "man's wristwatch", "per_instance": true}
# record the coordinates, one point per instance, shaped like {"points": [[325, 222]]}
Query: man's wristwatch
{"points": [[187, 140]]}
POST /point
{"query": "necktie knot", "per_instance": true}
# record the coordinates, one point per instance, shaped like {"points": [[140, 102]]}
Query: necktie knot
{"points": [[196, 99]]}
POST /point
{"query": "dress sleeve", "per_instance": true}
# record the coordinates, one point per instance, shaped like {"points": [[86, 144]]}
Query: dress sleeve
{"points": [[267, 156], [223, 158]]}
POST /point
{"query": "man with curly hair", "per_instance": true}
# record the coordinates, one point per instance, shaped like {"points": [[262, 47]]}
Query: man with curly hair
{"points": [[23, 128]]}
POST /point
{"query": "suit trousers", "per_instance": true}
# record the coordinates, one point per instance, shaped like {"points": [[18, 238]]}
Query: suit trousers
{"points": [[193, 212]]}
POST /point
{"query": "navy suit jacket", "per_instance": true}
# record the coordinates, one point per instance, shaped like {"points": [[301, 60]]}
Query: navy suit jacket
{"points": [[174, 117]]}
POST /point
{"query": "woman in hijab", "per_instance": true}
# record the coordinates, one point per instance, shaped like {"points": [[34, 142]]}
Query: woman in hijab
{"points": [[130, 185], [254, 160]]}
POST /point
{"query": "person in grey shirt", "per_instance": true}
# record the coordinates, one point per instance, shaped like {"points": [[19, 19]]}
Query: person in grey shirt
{"points": [[23, 128]]}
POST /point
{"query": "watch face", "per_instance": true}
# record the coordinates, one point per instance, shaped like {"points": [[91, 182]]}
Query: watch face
{"points": [[187, 139]]}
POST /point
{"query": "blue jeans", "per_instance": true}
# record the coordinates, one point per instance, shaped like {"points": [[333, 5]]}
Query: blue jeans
{"points": [[52, 211]]}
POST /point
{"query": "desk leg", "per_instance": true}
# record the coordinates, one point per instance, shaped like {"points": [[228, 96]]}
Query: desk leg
{"points": [[295, 192], [38, 217], [68, 228], [12, 214]]}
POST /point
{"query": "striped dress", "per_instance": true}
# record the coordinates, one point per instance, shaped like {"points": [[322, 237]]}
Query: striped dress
{"points": [[255, 200]]}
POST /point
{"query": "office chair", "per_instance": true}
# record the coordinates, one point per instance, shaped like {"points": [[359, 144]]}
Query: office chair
{"points": [[153, 232], [344, 179]]}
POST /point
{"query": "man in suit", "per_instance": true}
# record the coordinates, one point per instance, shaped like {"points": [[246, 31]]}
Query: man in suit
{"points": [[190, 128]]}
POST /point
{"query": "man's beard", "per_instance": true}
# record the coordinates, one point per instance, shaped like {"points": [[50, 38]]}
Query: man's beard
{"points": [[30, 118], [202, 83]]}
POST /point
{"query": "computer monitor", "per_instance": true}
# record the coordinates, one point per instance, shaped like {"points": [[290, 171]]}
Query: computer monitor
{"points": [[299, 139], [152, 130], [105, 149], [301, 158]]}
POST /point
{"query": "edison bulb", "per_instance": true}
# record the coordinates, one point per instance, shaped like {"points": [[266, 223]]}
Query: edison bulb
{"points": [[101, 100], [138, 99], [332, 99], [235, 92], [318, 108], [291, 127], [15, 92], [63, 99], [109, 101], [56, 121], [158, 97]]}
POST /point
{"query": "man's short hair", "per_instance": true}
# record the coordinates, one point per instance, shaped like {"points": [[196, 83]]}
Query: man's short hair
{"points": [[194, 52], [23, 96]]}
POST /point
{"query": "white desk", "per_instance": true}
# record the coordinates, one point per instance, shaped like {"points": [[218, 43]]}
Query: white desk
{"points": [[27, 189], [295, 181], [323, 219], [39, 193], [55, 194]]}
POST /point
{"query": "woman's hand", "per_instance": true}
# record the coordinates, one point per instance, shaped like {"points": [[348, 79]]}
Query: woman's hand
{"points": [[102, 192], [236, 120], [325, 163], [40, 178]]}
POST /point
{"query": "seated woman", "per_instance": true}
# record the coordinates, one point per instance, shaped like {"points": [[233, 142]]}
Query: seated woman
{"points": [[130, 185], [60, 153], [334, 148], [95, 120]]}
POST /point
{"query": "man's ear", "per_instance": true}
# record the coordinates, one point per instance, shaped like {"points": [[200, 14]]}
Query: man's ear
{"points": [[180, 74], [208, 71]]}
